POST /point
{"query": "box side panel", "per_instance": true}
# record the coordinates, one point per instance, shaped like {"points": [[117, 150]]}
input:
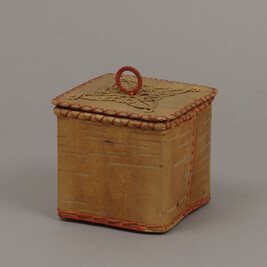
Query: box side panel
{"points": [[177, 158], [200, 184], [109, 171]]}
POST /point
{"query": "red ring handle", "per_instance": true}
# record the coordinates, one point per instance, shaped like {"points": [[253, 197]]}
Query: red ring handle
{"points": [[138, 76]]}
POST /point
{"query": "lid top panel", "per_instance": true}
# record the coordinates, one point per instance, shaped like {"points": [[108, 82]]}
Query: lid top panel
{"points": [[157, 100]]}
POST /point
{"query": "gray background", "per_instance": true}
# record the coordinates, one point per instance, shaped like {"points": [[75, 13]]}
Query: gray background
{"points": [[47, 47]]}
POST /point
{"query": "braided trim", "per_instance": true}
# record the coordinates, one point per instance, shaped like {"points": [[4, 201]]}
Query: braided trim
{"points": [[118, 121], [145, 117], [141, 227]]}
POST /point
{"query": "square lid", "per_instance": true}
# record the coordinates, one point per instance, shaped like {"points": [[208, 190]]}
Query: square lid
{"points": [[146, 99]]}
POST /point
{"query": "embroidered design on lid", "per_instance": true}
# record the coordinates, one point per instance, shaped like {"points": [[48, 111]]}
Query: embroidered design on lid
{"points": [[147, 98]]}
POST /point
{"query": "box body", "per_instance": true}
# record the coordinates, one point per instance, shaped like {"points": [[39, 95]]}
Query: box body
{"points": [[130, 177], [136, 162]]}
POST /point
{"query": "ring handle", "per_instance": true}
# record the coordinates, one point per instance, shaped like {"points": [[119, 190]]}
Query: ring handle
{"points": [[138, 76]]}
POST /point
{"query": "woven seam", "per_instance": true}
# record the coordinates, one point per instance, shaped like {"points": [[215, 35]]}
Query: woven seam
{"points": [[132, 225]]}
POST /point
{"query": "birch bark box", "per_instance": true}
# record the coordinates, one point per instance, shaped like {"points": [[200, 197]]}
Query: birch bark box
{"points": [[133, 152]]}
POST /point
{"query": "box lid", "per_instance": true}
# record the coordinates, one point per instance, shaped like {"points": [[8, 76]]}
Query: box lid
{"points": [[137, 98]]}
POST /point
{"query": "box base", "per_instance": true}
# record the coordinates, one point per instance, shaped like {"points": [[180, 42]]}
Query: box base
{"points": [[133, 225]]}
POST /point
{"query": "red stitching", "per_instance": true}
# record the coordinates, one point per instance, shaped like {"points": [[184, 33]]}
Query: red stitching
{"points": [[138, 124], [131, 225], [191, 162]]}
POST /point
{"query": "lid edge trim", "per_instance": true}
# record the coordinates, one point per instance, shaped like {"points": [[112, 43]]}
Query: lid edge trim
{"points": [[133, 123]]}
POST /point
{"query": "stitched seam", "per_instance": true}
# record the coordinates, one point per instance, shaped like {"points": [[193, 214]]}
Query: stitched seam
{"points": [[131, 225], [131, 122], [192, 160]]}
